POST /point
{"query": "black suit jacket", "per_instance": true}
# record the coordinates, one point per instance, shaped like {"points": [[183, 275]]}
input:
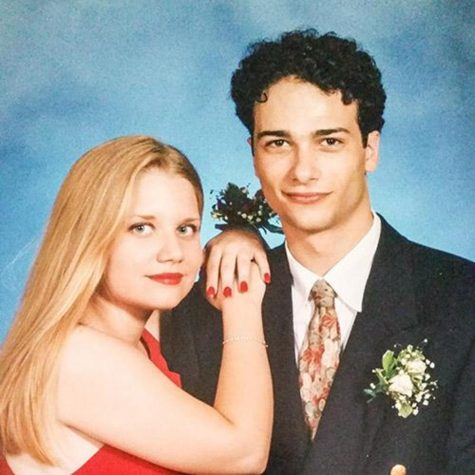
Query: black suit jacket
{"points": [[413, 293]]}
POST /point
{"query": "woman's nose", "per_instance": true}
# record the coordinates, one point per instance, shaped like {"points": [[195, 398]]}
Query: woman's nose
{"points": [[170, 249]]}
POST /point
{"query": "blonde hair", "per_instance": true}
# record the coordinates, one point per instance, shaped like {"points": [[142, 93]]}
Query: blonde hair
{"points": [[86, 217]]}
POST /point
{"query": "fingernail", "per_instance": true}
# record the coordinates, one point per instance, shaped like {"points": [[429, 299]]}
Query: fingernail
{"points": [[210, 292], [243, 286], [227, 292], [267, 278]]}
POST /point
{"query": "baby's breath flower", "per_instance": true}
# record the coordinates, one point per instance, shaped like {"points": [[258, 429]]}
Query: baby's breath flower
{"points": [[405, 379], [236, 207]]}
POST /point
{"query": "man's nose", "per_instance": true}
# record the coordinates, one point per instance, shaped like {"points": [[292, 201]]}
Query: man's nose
{"points": [[305, 164]]}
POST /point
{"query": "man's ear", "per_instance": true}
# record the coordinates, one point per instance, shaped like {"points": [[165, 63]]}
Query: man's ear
{"points": [[372, 151], [251, 143]]}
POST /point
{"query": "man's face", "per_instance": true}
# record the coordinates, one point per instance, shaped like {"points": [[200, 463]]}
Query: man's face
{"points": [[310, 159]]}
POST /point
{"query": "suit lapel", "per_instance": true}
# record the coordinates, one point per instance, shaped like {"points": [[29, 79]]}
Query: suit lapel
{"points": [[349, 424]]}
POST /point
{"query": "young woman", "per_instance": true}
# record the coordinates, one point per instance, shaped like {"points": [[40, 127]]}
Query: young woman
{"points": [[80, 391]]}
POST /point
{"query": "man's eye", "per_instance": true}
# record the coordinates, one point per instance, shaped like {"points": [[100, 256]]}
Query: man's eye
{"points": [[141, 229], [187, 229], [331, 141], [278, 143]]}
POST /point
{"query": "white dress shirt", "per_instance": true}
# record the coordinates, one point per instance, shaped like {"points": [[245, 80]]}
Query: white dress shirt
{"points": [[348, 278]]}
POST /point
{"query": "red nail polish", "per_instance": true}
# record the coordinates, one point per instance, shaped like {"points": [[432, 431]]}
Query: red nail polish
{"points": [[210, 292], [243, 286], [227, 292], [267, 278]]}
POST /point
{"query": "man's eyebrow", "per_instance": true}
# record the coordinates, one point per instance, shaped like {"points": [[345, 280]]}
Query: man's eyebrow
{"points": [[284, 134], [273, 133], [323, 132]]}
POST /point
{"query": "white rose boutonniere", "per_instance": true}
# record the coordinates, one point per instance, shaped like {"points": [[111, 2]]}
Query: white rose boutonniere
{"points": [[405, 379], [401, 383]]}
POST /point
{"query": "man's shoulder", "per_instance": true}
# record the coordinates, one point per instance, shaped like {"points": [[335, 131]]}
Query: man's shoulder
{"points": [[194, 301], [430, 261], [441, 265], [443, 283]]}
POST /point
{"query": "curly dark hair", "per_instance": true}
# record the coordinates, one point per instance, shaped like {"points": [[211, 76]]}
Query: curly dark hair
{"points": [[329, 62]]}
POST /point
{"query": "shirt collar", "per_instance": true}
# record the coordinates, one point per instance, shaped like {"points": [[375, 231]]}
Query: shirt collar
{"points": [[348, 276]]}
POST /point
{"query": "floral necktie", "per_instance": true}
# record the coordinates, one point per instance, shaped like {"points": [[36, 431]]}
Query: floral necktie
{"points": [[319, 355]]}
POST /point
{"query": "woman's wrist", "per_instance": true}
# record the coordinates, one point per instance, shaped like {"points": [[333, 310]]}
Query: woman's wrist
{"points": [[242, 311], [245, 339]]}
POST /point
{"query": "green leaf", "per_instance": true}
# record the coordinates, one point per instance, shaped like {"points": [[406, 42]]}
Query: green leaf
{"points": [[388, 361], [381, 379], [370, 394]]}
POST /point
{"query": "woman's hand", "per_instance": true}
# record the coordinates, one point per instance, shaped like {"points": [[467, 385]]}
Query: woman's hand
{"points": [[228, 262], [235, 298]]}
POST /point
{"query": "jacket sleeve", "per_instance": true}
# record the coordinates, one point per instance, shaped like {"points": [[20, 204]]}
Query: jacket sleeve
{"points": [[190, 338], [461, 442]]}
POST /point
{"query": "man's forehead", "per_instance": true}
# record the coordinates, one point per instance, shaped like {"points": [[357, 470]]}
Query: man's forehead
{"points": [[298, 104], [297, 83]]}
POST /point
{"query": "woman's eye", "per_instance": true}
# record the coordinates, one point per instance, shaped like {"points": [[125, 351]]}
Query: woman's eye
{"points": [[141, 229], [187, 229]]}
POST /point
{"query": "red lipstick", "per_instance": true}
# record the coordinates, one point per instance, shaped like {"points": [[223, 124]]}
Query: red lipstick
{"points": [[167, 278]]}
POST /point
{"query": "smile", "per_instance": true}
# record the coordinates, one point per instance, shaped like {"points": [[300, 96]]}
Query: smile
{"points": [[167, 278], [306, 198]]}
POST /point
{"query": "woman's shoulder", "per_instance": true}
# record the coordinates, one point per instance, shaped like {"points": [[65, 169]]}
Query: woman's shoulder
{"points": [[96, 374], [90, 353], [87, 346]]}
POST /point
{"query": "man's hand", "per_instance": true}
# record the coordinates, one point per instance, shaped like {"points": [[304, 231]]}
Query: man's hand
{"points": [[228, 257]]}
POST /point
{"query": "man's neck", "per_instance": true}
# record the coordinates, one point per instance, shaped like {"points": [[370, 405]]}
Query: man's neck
{"points": [[322, 250]]}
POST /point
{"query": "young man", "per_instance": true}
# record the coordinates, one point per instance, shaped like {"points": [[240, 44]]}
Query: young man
{"points": [[313, 106]]}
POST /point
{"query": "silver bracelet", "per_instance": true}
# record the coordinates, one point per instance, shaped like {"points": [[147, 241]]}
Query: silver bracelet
{"points": [[236, 339]]}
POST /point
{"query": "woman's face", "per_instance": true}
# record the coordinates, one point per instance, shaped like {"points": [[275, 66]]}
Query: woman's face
{"points": [[155, 258]]}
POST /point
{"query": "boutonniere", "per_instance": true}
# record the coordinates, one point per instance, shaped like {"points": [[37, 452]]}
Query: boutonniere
{"points": [[236, 207], [405, 378]]}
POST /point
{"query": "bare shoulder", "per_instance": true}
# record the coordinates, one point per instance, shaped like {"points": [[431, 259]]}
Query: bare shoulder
{"points": [[89, 349], [84, 337], [93, 364]]}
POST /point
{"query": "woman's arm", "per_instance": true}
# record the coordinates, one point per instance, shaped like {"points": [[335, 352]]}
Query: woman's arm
{"points": [[114, 394]]}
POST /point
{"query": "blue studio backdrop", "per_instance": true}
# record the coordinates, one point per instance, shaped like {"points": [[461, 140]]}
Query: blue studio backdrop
{"points": [[76, 73]]}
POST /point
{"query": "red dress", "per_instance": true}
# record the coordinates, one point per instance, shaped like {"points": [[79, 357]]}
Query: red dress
{"points": [[110, 461]]}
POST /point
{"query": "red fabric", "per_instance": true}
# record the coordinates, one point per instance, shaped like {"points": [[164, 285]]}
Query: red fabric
{"points": [[4, 468], [111, 461]]}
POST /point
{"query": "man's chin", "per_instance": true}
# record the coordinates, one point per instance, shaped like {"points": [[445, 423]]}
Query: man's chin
{"points": [[303, 226]]}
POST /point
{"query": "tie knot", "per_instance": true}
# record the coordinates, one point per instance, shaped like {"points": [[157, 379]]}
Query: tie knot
{"points": [[323, 294]]}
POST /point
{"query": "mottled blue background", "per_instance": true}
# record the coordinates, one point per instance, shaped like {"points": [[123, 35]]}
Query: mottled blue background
{"points": [[75, 73]]}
